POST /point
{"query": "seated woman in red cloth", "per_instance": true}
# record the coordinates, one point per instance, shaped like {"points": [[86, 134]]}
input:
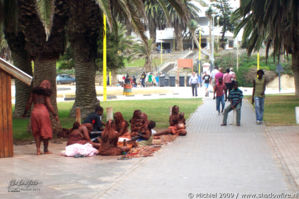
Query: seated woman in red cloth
{"points": [[109, 141], [139, 127], [80, 135], [176, 122], [121, 125], [40, 118]]}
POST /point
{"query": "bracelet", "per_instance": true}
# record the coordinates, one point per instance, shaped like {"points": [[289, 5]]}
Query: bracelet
{"points": [[54, 114]]}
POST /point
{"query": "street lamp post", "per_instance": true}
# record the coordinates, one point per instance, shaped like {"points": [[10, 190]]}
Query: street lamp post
{"points": [[212, 47], [199, 49]]}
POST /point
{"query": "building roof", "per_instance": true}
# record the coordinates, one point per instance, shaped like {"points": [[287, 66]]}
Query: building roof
{"points": [[15, 72]]}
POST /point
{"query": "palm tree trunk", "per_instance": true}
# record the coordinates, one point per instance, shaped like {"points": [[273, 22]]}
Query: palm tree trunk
{"points": [[295, 67], [179, 38], [152, 30], [21, 60], [114, 77], [148, 64], [86, 98], [22, 90], [46, 69]]}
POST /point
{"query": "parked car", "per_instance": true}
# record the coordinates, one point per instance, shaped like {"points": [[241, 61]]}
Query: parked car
{"points": [[65, 79]]}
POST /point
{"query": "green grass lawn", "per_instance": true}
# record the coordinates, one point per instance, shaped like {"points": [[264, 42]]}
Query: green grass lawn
{"points": [[280, 110], [141, 62], [157, 110]]}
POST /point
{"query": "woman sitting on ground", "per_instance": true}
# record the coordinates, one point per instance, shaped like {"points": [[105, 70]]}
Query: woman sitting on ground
{"points": [[139, 128], [135, 120], [109, 141], [121, 125], [79, 135], [176, 122]]}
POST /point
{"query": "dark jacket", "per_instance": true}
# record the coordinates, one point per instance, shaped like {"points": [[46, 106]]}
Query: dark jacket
{"points": [[95, 120]]}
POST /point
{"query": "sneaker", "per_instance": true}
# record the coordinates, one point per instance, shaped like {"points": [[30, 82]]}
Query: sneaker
{"points": [[258, 122], [223, 125], [238, 124]]}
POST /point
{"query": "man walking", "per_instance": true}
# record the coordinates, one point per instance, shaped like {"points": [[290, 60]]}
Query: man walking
{"points": [[235, 98], [220, 90], [258, 96], [193, 81]]}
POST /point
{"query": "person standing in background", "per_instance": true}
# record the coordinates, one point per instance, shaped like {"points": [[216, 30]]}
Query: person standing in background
{"points": [[258, 96], [233, 74], [220, 91], [218, 76], [227, 79], [213, 73], [193, 81], [206, 78], [142, 78]]}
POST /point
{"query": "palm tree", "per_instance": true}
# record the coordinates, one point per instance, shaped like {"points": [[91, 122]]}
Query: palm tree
{"points": [[181, 23], [42, 43], [274, 22], [142, 50]]}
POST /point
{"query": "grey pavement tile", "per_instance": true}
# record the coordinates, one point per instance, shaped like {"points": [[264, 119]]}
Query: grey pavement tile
{"points": [[210, 159]]}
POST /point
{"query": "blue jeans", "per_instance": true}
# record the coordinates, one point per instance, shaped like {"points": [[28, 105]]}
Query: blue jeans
{"points": [[218, 100], [228, 109], [259, 108], [194, 89]]}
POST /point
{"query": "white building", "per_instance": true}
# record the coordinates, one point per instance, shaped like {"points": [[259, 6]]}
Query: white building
{"points": [[167, 36]]}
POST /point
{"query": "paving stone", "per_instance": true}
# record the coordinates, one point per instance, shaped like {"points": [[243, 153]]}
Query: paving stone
{"points": [[210, 159]]}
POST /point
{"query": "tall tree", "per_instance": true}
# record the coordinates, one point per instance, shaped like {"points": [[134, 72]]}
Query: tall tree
{"points": [[274, 22], [44, 49], [224, 11], [83, 31]]}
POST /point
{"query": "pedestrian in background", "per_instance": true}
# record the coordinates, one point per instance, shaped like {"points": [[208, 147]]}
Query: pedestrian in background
{"points": [[258, 96], [142, 79], [218, 76], [233, 74], [193, 81], [213, 73], [206, 78], [227, 79], [220, 91]]}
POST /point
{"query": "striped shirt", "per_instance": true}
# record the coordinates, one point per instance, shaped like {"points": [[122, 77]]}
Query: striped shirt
{"points": [[235, 96]]}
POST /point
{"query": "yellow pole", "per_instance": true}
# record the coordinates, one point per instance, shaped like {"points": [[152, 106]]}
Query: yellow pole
{"points": [[110, 80], [104, 61], [199, 51], [258, 61], [32, 66], [161, 57]]}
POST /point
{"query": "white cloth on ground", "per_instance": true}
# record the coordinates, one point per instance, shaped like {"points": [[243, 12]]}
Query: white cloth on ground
{"points": [[80, 149]]}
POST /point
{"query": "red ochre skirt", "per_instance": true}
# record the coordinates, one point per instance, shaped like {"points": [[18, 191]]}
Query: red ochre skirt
{"points": [[40, 122], [127, 89]]}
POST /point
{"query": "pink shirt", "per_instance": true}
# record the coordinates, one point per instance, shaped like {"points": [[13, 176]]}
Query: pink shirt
{"points": [[219, 89], [218, 76], [227, 78]]}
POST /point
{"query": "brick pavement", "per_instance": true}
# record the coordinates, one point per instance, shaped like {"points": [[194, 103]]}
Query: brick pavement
{"points": [[209, 159], [285, 144]]}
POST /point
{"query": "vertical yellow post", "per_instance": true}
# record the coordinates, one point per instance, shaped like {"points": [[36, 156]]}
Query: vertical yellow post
{"points": [[258, 61], [199, 50], [161, 56], [110, 79], [104, 61], [32, 66]]}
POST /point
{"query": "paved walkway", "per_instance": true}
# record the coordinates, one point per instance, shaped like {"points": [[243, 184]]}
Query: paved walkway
{"points": [[210, 159]]}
